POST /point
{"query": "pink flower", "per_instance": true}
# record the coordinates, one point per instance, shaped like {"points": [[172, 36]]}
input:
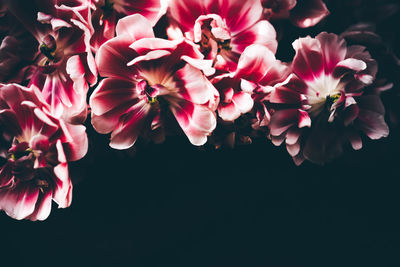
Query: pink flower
{"points": [[325, 104], [304, 13], [107, 13], [148, 80], [64, 64], [243, 104], [259, 73], [233, 101], [221, 28], [35, 148]]}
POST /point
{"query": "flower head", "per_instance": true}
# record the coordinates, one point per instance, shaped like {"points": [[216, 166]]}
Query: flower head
{"points": [[324, 103], [35, 149], [147, 80], [223, 29], [63, 65]]}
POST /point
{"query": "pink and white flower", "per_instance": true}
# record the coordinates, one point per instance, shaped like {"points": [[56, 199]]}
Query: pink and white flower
{"points": [[34, 150], [147, 80], [221, 28], [243, 105], [107, 12], [324, 104], [304, 13], [64, 64], [259, 73]]}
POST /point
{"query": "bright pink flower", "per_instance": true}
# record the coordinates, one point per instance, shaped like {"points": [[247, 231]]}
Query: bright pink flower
{"points": [[107, 13], [324, 104], [148, 79], [64, 64], [34, 151], [222, 28], [304, 13]]}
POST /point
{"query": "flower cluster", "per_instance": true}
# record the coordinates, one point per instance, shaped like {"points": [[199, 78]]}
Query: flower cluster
{"points": [[209, 72]]}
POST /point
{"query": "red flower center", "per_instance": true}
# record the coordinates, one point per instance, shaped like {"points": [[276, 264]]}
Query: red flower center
{"points": [[51, 55], [150, 92]]}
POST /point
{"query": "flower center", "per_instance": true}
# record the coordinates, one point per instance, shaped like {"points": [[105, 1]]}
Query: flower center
{"points": [[19, 154], [51, 55], [19, 150], [331, 99], [48, 48], [322, 94], [147, 91], [23, 160]]}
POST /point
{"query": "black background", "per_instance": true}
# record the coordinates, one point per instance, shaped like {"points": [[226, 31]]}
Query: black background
{"points": [[177, 205]]}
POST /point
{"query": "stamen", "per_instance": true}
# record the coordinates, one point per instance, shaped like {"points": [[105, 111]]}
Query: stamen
{"points": [[49, 53], [20, 154], [331, 99]]}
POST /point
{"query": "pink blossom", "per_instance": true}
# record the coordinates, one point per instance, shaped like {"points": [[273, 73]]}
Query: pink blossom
{"points": [[243, 105], [233, 101], [221, 28], [324, 104], [35, 148], [64, 64], [304, 13], [147, 80], [259, 73], [107, 13]]}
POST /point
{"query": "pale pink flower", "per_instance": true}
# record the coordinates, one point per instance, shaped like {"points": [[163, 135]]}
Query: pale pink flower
{"points": [[221, 28], [325, 103], [34, 150], [147, 80]]}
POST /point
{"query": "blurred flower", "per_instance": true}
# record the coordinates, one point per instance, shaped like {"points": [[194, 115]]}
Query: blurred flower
{"points": [[35, 149], [17, 49], [304, 13], [64, 64]]}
